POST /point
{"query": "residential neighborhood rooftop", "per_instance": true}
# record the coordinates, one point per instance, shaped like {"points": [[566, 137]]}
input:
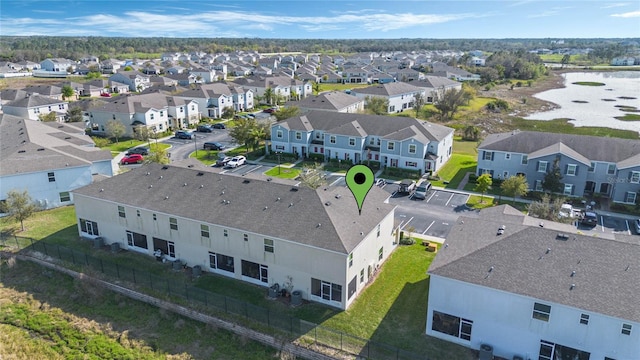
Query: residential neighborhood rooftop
{"points": [[556, 264], [326, 217]]}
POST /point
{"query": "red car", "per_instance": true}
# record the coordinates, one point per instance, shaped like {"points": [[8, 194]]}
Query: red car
{"points": [[105, 95], [270, 110], [132, 159]]}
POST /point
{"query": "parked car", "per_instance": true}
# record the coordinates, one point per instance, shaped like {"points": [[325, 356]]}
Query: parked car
{"points": [[138, 150], [589, 218], [105, 94], [132, 159], [566, 210], [205, 128], [211, 145], [422, 190], [637, 226], [218, 126], [406, 186], [269, 110], [184, 135], [381, 182], [222, 161], [236, 161]]}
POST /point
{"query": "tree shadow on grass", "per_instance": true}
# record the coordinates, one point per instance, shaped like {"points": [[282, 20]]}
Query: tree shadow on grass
{"points": [[465, 167]]}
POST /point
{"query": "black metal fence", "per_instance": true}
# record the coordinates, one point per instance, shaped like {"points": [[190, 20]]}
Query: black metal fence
{"points": [[306, 332]]}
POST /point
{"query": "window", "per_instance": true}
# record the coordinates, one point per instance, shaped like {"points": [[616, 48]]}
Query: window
{"points": [[151, 116], [626, 329], [255, 271], [524, 160], [89, 227], [121, 212], [538, 185], [173, 223], [332, 139], [584, 319], [378, 230], [52, 177], [411, 164], [505, 174], [392, 108], [542, 166], [380, 253], [165, 247], [326, 290], [245, 237], [268, 245], [541, 311], [391, 145], [350, 259], [507, 156], [64, 196], [452, 325], [352, 142], [353, 284], [137, 240], [225, 233], [592, 167], [222, 262], [634, 177], [361, 276], [487, 155], [630, 197], [412, 148], [611, 169], [279, 134], [212, 260], [204, 230], [155, 217], [568, 189], [572, 170], [551, 351], [161, 113], [298, 135]]}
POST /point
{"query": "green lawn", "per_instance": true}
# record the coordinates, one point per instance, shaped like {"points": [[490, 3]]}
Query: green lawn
{"points": [[629, 117], [464, 147], [452, 173], [284, 173]]}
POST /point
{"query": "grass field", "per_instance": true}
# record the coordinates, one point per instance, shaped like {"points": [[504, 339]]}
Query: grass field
{"points": [[452, 173], [284, 173], [565, 127]]}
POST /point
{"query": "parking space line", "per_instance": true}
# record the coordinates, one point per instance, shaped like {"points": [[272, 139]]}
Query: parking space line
{"points": [[602, 222], [333, 183], [428, 227], [626, 222], [450, 197], [254, 169], [407, 223], [432, 195]]}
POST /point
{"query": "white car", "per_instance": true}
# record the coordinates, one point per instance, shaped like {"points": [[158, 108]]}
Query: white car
{"points": [[637, 224], [236, 161]]}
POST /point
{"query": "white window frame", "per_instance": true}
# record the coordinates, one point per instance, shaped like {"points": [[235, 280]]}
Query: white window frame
{"points": [[412, 148], [507, 156], [173, 223], [611, 169], [298, 135], [204, 230], [279, 134], [542, 168], [568, 187], [537, 185], [572, 170], [524, 160], [635, 177], [391, 145], [487, 155], [352, 141], [630, 197], [65, 196], [332, 139]]}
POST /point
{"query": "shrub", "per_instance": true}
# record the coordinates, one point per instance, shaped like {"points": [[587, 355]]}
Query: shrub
{"points": [[101, 142], [407, 241], [316, 157]]}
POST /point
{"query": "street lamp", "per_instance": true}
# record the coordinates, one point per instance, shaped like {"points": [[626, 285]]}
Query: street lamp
{"points": [[279, 153]]}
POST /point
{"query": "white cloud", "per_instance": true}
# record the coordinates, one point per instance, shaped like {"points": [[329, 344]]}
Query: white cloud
{"points": [[608, 6], [632, 14]]}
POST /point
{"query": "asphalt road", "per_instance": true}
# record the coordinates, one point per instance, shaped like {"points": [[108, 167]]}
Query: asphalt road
{"points": [[181, 148]]}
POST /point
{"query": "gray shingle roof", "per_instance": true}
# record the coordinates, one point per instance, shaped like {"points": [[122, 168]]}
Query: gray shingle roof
{"points": [[334, 100], [594, 148], [34, 100], [376, 125], [607, 278], [32, 146], [388, 89], [268, 208]]}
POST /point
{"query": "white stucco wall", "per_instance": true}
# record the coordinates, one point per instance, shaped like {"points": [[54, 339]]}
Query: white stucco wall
{"points": [[504, 320]]}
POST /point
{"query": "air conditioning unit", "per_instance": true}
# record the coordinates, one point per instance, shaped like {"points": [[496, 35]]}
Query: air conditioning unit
{"points": [[486, 352]]}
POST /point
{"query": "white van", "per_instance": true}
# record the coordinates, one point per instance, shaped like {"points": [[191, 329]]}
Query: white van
{"points": [[422, 190]]}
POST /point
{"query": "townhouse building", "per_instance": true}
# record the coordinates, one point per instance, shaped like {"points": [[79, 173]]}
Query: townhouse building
{"points": [[511, 288], [33, 105], [401, 96], [48, 160], [400, 142], [336, 101], [156, 111], [261, 232], [588, 164], [135, 80]]}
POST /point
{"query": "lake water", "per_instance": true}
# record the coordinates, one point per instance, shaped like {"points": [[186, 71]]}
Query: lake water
{"points": [[596, 105]]}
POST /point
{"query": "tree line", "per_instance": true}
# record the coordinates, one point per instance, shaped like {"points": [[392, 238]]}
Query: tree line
{"points": [[38, 48]]}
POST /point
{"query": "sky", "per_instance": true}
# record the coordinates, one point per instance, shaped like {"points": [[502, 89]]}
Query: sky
{"points": [[323, 19]]}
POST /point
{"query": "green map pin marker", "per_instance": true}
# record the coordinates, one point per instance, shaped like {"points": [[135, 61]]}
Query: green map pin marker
{"points": [[359, 180]]}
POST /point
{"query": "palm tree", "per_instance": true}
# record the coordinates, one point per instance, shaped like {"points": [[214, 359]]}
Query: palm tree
{"points": [[268, 95]]}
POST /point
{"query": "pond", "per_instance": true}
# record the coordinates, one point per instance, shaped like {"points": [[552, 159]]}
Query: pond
{"points": [[592, 104]]}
